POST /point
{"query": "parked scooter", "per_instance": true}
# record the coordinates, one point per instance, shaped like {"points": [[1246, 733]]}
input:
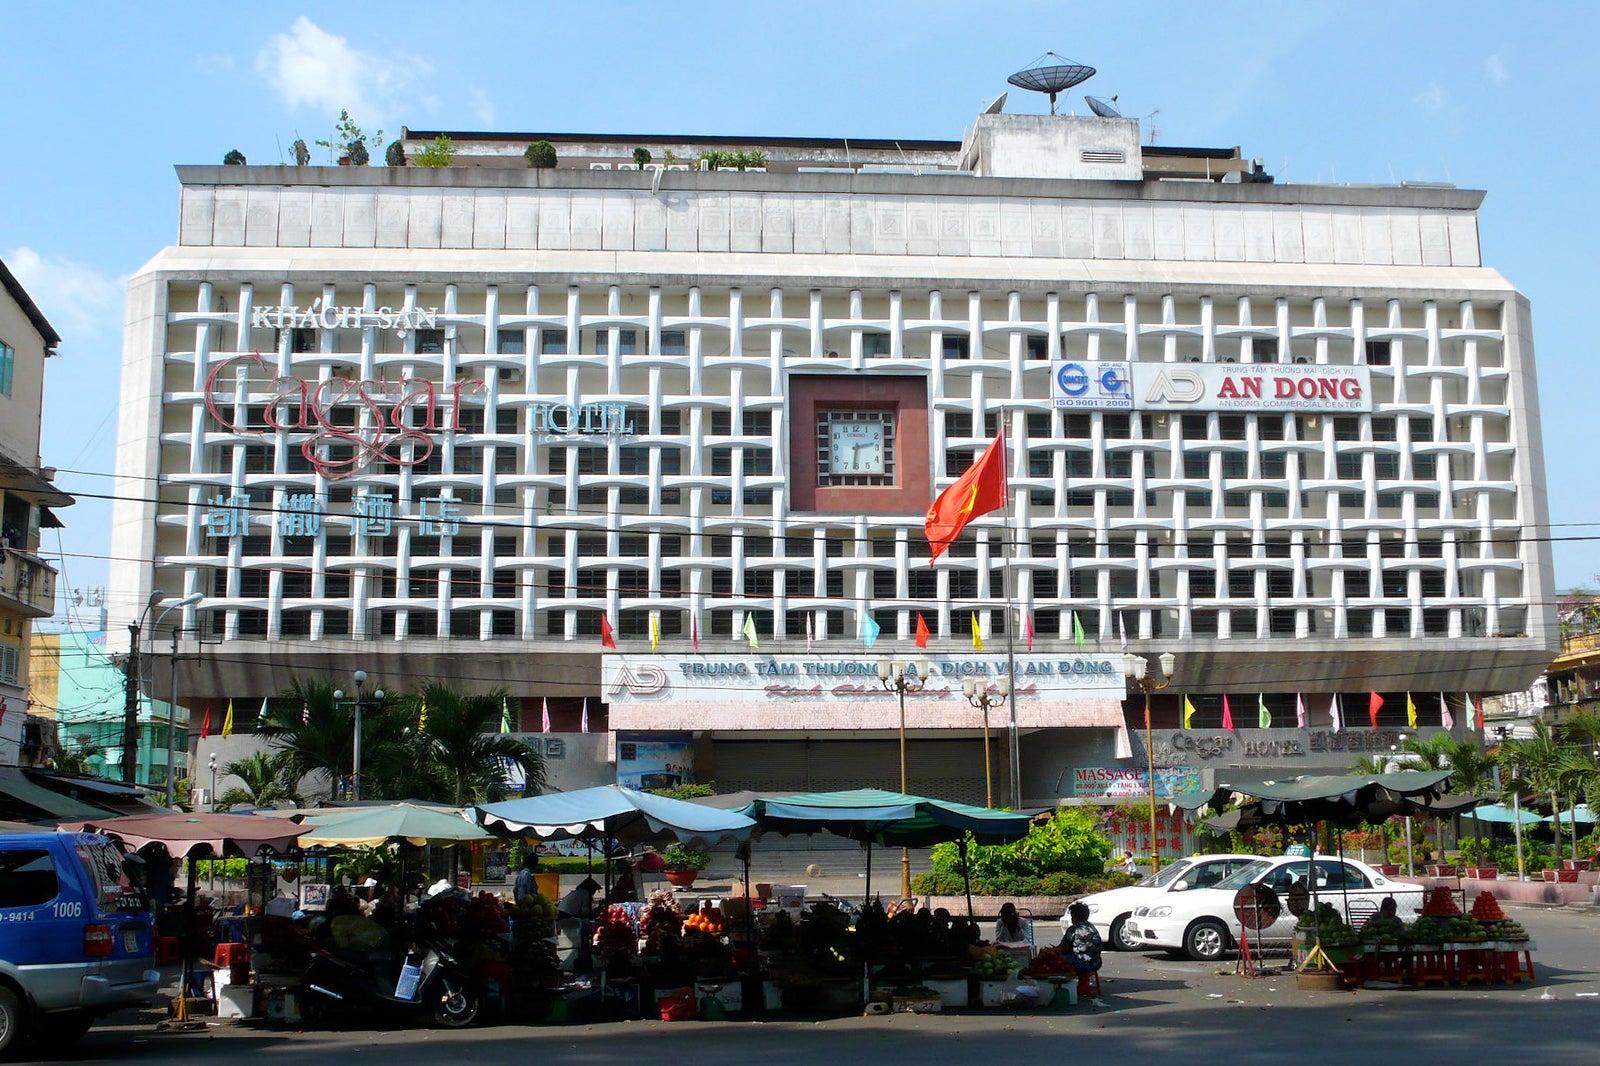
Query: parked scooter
{"points": [[429, 982]]}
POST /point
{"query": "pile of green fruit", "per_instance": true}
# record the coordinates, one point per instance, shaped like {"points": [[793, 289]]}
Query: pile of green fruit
{"points": [[1507, 929], [993, 966], [1441, 928]]}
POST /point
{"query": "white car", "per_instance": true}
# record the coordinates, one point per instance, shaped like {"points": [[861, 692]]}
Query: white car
{"points": [[1201, 921], [1109, 910]]}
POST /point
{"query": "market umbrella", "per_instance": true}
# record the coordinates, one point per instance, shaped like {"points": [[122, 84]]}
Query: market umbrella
{"points": [[891, 819], [1580, 814], [374, 826], [1500, 814], [613, 811], [194, 836]]}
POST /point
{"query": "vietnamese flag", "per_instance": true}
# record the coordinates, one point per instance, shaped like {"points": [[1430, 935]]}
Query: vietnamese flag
{"points": [[1372, 708], [977, 492], [205, 724], [608, 639], [922, 631]]}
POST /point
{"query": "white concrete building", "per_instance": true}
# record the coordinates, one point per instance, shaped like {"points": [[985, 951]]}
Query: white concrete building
{"points": [[438, 423]]}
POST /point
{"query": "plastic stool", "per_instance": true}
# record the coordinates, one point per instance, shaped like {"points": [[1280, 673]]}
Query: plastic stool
{"points": [[1088, 986], [229, 954], [167, 950]]}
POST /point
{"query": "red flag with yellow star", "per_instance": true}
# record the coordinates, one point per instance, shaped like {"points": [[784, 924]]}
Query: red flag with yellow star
{"points": [[977, 492]]}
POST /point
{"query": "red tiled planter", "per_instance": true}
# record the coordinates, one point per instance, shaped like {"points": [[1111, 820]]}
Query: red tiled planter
{"points": [[1577, 865], [1388, 869], [1442, 870], [1483, 873], [1565, 876]]}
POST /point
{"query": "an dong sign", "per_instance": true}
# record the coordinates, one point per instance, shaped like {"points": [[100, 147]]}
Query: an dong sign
{"points": [[338, 451]]}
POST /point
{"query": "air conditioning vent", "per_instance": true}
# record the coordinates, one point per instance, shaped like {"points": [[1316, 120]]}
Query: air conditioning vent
{"points": [[1102, 155]]}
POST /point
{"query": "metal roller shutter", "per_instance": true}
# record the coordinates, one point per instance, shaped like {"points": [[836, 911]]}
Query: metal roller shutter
{"points": [[944, 769]]}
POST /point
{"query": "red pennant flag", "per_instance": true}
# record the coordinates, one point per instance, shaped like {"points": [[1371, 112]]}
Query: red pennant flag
{"points": [[977, 492], [1027, 627], [922, 631], [1227, 714], [608, 639], [1372, 708], [544, 716], [205, 723], [694, 631]]}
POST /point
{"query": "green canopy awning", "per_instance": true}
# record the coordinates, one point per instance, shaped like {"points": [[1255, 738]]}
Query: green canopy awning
{"points": [[1328, 797], [892, 819], [373, 826]]}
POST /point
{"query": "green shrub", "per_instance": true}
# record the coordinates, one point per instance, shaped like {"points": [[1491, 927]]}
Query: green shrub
{"points": [[1070, 842], [686, 792], [395, 154], [234, 158], [438, 154], [541, 155]]}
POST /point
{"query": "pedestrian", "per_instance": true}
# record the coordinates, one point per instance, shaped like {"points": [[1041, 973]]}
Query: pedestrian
{"points": [[1082, 946], [1127, 865], [525, 885]]}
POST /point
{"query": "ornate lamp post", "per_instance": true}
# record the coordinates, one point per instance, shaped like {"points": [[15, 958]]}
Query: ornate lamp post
{"points": [[211, 764], [900, 678], [358, 703], [1137, 670], [977, 693]]}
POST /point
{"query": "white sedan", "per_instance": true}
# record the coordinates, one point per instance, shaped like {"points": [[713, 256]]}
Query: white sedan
{"points": [[1202, 923], [1109, 910]]}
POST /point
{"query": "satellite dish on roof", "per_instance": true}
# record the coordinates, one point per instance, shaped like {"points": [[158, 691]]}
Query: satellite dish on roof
{"points": [[997, 105], [1103, 108], [1051, 78]]}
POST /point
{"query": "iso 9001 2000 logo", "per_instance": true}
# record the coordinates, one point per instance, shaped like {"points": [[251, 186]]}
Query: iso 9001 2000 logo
{"points": [[1095, 386]]}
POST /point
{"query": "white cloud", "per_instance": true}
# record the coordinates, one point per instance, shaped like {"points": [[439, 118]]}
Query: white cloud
{"points": [[1495, 68], [482, 107], [310, 67], [82, 303], [1432, 98]]}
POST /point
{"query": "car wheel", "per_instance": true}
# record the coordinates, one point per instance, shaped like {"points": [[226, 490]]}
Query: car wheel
{"points": [[1206, 940], [1120, 939], [10, 1019], [61, 1030]]}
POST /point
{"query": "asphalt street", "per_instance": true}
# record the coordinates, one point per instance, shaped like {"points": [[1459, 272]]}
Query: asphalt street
{"points": [[1155, 1006]]}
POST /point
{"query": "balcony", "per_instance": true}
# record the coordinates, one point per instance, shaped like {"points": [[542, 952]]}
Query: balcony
{"points": [[27, 584]]}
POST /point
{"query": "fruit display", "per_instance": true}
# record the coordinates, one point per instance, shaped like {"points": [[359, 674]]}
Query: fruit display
{"points": [[1487, 909], [614, 933], [993, 966], [1447, 928], [1506, 929], [661, 923], [1441, 903], [708, 921], [1050, 962]]}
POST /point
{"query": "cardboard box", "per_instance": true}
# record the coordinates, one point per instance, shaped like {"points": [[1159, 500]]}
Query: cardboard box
{"points": [[235, 1001]]}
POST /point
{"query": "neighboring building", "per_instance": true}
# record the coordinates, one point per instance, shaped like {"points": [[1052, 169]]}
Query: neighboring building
{"points": [[27, 582], [80, 687], [1574, 675], [441, 423]]}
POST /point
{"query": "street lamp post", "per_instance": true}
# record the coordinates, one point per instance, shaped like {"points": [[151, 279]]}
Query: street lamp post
{"points": [[130, 693], [977, 693], [172, 705], [355, 744], [211, 762], [1394, 764], [1504, 732], [1137, 669], [901, 678]]}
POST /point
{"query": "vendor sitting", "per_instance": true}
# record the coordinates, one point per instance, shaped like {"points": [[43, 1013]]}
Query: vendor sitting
{"points": [[1385, 923], [1009, 931]]}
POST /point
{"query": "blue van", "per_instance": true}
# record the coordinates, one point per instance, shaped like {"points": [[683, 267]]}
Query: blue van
{"points": [[75, 937]]}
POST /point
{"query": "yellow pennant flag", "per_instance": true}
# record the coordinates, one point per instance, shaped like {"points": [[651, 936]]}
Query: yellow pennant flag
{"points": [[1188, 713], [422, 717], [977, 637], [655, 630], [227, 723], [1411, 712]]}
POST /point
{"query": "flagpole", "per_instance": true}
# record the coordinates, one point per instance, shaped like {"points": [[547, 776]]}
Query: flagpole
{"points": [[1008, 578]]}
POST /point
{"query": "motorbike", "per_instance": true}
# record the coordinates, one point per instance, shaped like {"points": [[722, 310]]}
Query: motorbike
{"points": [[428, 983]]}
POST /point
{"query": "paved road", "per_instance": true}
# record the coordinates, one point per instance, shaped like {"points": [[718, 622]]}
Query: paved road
{"points": [[1156, 1006]]}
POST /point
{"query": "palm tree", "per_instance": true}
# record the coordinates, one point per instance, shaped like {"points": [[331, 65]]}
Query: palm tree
{"points": [[1534, 764], [456, 735], [314, 731], [266, 781]]}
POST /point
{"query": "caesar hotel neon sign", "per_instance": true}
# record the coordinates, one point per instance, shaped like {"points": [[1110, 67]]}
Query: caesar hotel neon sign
{"points": [[403, 416]]}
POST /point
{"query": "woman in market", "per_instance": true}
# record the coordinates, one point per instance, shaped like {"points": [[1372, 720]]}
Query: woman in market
{"points": [[1082, 946], [1385, 922], [1008, 930]]}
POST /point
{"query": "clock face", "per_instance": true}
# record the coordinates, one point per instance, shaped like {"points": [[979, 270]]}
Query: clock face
{"points": [[856, 447]]}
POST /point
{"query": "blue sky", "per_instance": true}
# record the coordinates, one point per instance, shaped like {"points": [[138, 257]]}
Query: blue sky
{"points": [[104, 99]]}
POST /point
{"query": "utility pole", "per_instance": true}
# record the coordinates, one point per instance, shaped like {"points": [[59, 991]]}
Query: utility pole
{"points": [[130, 709]]}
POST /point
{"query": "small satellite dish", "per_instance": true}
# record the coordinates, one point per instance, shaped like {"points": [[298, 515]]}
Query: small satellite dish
{"points": [[1051, 78], [1103, 108], [997, 105]]}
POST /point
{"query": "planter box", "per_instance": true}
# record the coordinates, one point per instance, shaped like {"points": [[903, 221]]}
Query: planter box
{"points": [[1442, 869], [1564, 876], [1483, 873], [1577, 865], [1387, 869]]}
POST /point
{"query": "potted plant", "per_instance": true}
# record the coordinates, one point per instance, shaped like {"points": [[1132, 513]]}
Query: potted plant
{"points": [[683, 865], [541, 155]]}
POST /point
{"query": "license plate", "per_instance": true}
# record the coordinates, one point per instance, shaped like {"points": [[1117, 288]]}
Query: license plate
{"points": [[130, 941]]}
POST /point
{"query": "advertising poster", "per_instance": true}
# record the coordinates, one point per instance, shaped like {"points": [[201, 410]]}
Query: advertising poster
{"points": [[656, 760], [1123, 782]]}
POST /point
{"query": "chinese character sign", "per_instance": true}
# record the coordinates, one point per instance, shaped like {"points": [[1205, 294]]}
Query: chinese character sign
{"points": [[229, 516]]}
